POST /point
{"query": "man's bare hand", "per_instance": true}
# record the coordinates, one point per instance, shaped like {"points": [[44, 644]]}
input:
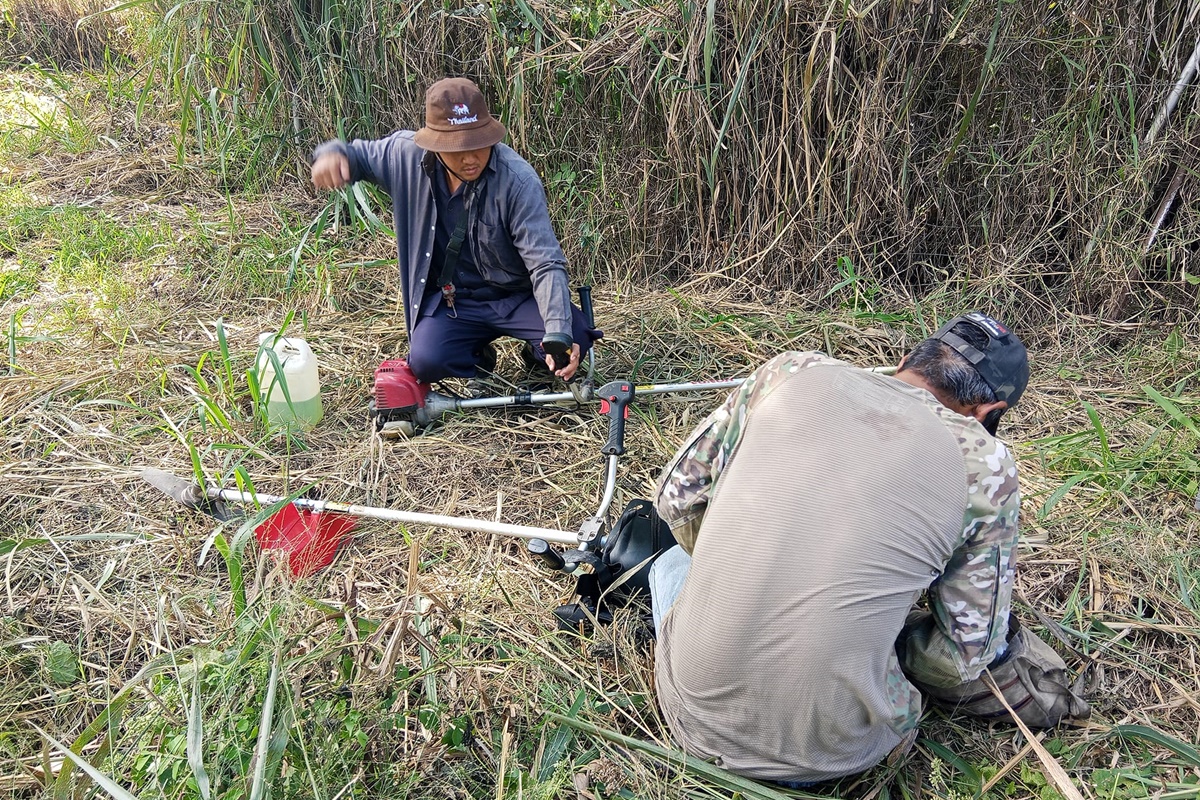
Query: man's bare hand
{"points": [[567, 372], [331, 171]]}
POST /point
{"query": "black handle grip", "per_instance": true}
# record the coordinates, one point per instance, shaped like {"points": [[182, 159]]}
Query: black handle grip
{"points": [[542, 549], [615, 398], [559, 350], [585, 305]]}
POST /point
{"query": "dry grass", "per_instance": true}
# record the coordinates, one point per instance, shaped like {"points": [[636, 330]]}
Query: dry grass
{"points": [[98, 385], [91, 404], [68, 34], [1001, 147]]}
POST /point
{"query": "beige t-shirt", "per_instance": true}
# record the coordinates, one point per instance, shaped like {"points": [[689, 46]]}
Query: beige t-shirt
{"points": [[818, 503]]}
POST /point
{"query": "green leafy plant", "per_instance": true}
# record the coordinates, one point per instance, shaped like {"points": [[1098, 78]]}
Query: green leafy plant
{"points": [[1090, 460], [60, 663]]}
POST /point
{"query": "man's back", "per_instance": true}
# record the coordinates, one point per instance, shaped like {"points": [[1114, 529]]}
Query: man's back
{"points": [[778, 657]]}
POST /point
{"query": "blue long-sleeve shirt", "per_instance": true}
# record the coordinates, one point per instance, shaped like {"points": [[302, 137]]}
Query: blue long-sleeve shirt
{"points": [[511, 240]]}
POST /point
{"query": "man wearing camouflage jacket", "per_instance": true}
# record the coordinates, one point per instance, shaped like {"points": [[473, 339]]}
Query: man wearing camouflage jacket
{"points": [[813, 509]]}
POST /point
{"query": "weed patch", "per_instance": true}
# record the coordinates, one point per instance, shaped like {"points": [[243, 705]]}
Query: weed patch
{"points": [[87, 258], [738, 180], [71, 34]]}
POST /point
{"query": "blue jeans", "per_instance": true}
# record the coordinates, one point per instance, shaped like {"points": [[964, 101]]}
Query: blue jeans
{"points": [[667, 574], [443, 346]]}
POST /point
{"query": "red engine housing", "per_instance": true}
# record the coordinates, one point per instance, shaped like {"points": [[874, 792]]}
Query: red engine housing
{"points": [[397, 388]]}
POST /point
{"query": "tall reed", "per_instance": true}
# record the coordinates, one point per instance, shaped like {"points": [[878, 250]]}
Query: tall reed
{"points": [[998, 146]]}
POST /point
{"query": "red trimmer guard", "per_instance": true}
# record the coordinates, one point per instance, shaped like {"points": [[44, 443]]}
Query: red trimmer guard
{"points": [[309, 539]]}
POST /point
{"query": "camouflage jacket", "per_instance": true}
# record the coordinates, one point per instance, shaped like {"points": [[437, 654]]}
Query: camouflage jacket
{"points": [[971, 597]]}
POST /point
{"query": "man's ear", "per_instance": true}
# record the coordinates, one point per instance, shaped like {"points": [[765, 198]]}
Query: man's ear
{"points": [[981, 410], [903, 361]]}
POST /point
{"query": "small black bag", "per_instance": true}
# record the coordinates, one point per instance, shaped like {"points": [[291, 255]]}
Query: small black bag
{"points": [[638, 538], [621, 567]]}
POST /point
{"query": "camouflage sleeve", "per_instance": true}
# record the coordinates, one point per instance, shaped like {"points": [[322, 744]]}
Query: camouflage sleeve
{"points": [[972, 598], [688, 483]]}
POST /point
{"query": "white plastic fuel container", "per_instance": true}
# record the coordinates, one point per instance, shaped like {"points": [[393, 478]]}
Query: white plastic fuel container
{"points": [[299, 375]]}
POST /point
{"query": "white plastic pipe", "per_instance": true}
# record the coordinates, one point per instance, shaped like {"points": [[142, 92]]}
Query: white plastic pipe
{"points": [[409, 517]]}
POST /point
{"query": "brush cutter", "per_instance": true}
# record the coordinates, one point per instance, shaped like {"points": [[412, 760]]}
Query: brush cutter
{"points": [[299, 523], [611, 566], [309, 532], [401, 404]]}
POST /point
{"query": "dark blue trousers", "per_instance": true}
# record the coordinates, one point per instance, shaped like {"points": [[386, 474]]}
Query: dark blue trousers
{"points": [[445, 346]]}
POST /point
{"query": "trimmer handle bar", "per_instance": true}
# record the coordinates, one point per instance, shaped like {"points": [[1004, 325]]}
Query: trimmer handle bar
{"points": [[615, 398]]}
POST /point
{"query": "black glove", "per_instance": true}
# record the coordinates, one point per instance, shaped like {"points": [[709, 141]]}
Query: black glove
{"points": [[558, 347]]}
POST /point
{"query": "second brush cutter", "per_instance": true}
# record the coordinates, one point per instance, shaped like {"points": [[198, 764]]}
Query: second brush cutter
{"points": [[308, 532]]}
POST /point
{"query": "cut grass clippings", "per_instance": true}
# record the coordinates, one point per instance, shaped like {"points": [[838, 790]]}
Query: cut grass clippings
{"points": [[424, 692]]}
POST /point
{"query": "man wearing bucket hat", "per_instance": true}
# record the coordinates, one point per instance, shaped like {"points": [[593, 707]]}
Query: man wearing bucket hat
{"points": [[813, 509], [478, 255]]}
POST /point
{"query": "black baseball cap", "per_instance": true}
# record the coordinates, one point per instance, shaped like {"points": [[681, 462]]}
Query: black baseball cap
{"points": [[1003, 364]]}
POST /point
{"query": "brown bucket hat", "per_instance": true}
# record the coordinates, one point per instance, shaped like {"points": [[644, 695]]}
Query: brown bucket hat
{"points": [[457, 118]]}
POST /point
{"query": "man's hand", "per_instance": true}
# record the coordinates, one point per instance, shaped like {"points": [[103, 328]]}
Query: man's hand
{"points": [[567, 372], [331, 171]]}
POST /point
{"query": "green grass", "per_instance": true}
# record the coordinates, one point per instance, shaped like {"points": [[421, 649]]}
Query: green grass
{"points": [[748, 151], [1152, 449], [44, 112], [74, 249], [496, 705]]}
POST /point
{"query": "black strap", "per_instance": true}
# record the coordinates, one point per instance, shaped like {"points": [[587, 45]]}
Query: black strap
{"points": [[454, 247], [963, 347], [481, 293]]}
